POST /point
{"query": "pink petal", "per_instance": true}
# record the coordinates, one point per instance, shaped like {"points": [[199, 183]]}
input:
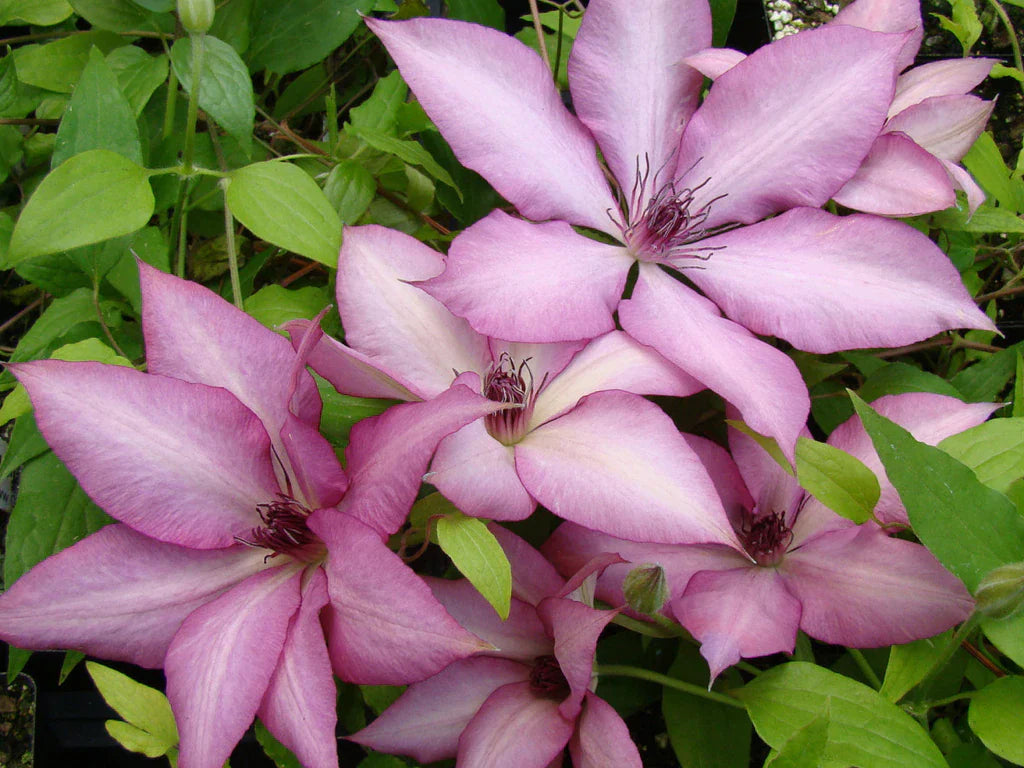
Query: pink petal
{"points": [[946, 126], [818, 100], [314, 465], [762, 382], [612, 361], [478, 475], [496, 104], [602, 738], [384, 626], [194, 335], [930, 418], [738, 613], [627, 84], [514, 729], [546, 360], [963, 180], [616, 463], [575, 628], [863, 589], [725, 475], [898, 178], [888, 16], [118, 594], [399, 326], [427, 720], [948, 77], [388, 454], [715, 62], [772, 488], [821, 282], [184, 463], [520, 637], [221, 661], [533, 577], [299, 705], [349, 371], [513, 279]]}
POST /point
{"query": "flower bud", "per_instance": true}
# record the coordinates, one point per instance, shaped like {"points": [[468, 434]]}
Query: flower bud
{"points": [[1001, 592], [196, 15], [645, 589]]}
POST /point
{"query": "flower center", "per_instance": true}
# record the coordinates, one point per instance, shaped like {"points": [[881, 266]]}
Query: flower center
{"points": [[766, 538], [547, 680], [508, 383], [285, 532]]}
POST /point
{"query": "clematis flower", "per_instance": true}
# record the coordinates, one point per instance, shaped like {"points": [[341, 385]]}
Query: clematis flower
{"points": [[801, 566], [517, 706], [229, 562], [607, 459], [780, 133]]}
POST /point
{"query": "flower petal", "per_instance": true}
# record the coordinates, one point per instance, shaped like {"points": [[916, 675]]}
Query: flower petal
{"points": [[496, 104], [602, 738], [898, 178], [963, 180], [478, 475], [946, 126], [715, 62], [118, 594], [947, 77], [818, 100], [821, 282], [194, 335], [762, 382], [888, 16], [221, 661], [514, 729], [612, 361], [314, 465], [388, 454], [513, 279], [616, 463], [427, 720], [772, 488], [741, 612], [725, 475], [384, 626], [399, 326], [533, 577], [183, 463], [299, 705], [627, 82], [864, 589]]}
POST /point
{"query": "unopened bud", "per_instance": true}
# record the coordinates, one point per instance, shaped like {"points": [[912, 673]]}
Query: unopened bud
{"points": [[1001, 592], [645, 589], [196, 15]]}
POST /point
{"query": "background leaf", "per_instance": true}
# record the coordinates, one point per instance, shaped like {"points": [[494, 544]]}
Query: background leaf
{"points": [[225, 88], [993, 450], [143, 707], [479, 557], [836, 479], [996, 714], [290, 36]]}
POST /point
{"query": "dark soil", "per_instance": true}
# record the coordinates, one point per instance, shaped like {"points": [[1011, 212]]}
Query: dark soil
{"points": [[17, 722]]}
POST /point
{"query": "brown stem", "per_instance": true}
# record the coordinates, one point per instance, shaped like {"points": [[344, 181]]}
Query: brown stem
{"points": [[393, 198], [542, 45], [1000, 293], [8, 323], [310, 267], [28, 121], [981, 657], [942, 341]]}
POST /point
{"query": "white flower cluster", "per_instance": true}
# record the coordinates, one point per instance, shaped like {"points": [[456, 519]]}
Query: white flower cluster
{"points": [[785, 22]]}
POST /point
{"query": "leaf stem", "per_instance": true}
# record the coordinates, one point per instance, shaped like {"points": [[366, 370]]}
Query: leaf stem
{"points": [[622, 670], [188, 155], [865, 668], [947, 653], [648, 628], [542, 45], [1014, 43]]}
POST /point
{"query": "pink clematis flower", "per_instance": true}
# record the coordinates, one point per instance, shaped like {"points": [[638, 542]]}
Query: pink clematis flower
{"points": [[801, 565], [609, 460], [780, 133], [229, 563], [520, 705]]}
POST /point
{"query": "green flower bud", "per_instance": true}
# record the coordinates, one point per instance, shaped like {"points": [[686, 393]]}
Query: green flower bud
{"points": [[645, 589], [196, 15], [1001, 592]]}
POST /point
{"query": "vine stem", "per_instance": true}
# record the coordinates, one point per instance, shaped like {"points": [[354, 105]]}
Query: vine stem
{"points": [[947, 653], [188, 155], [542, 46], [622, 670], [1014, 43], [229, 224], [865, 668]]}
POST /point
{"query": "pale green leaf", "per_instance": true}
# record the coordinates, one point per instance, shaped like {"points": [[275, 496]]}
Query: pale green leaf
{"points": [[56, 66], [379, 113], [994, 450], [1018, 388], [768, 443], [985, 220], [909, 663], [985, 162], [350, 188], [43, 13], [1007, 635], [225, 87], [409, 151], [135, 739], [281, 204], [138, 74], [144, 707], [996, 714], [806, 747], [836, 479], [479, 557], [273, 305], [115, 15]]}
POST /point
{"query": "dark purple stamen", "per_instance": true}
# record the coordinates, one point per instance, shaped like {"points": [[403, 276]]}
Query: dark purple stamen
{"points": [[766, 537], [284, 531], [508, 383], [547, 679]]}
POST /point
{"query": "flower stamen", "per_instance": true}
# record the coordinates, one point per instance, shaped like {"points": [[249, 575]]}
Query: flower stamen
{"points": [[547, 679], [284, 531], [508, 383], [766, 538]]}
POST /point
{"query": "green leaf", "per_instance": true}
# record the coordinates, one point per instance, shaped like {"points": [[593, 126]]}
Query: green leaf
{"points": [[968, 526], [275, 750], [985, 220], [144, 707], [114, 15], [56, 66], [1007, 635], [71, 660], [409, 151], [58, 318], [135, 739], [287, 37], [965, 24], [994, 450], [703, 734], [806, 748], [273, 305], [722, 14], [379, 113], [996, 713], [479, 557], [341, 412], [1018, 388], [26, 444], [909, 663], [380, 760], [98, 116], [985, 162], [43, 13], [93, 196], [768, 443], [897, 378], [864, 729], [225, 88], [138, 74], [350, 188], [836, 479], [232, 23], [983, 381], [486, 12], [380, 697], [281, 204]]}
